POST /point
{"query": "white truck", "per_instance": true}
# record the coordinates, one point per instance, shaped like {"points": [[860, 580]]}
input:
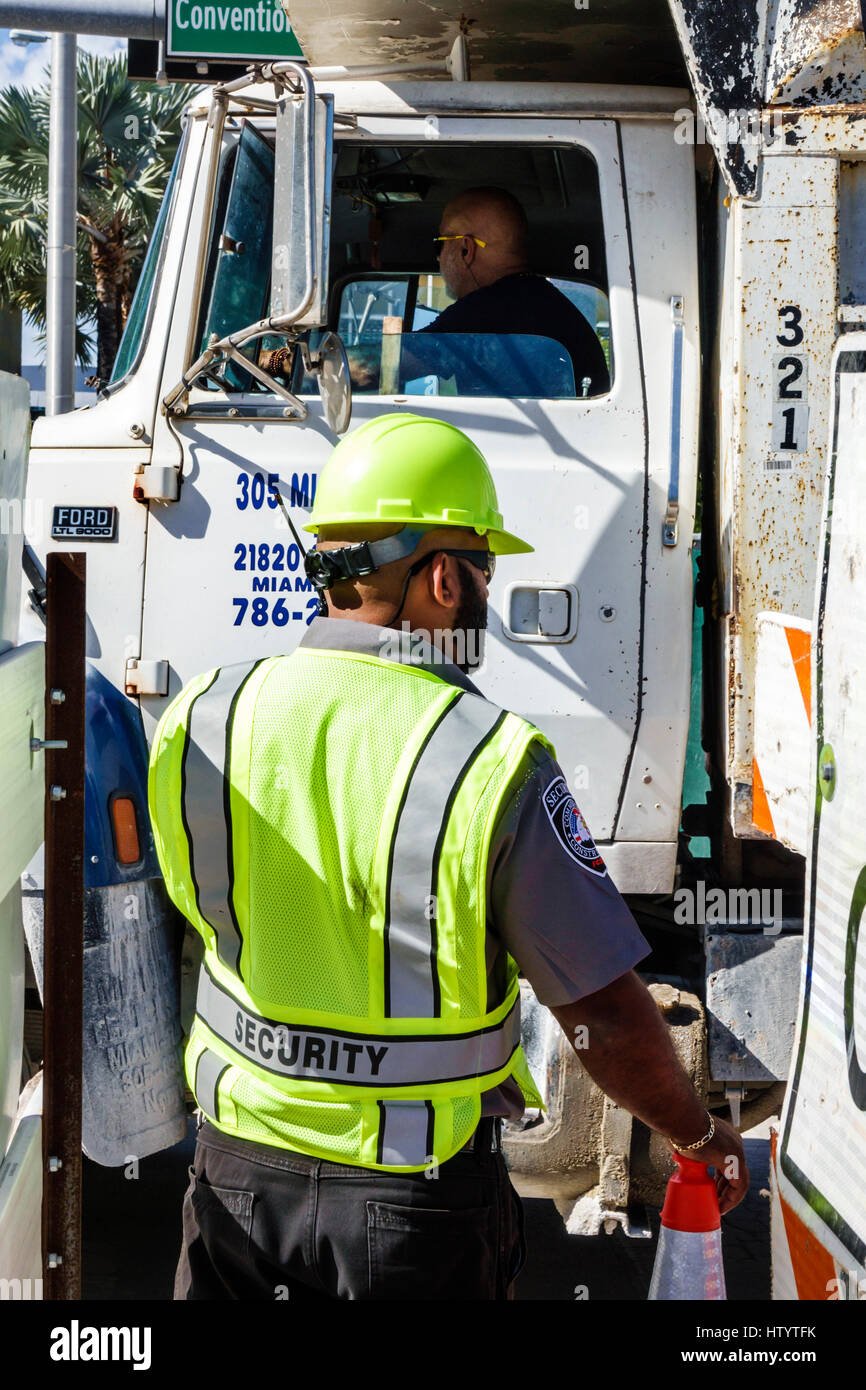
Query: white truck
{"points": [[709, 221]]}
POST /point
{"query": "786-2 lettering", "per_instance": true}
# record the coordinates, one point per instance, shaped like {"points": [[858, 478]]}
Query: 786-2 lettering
{"points": [[262, 611]]}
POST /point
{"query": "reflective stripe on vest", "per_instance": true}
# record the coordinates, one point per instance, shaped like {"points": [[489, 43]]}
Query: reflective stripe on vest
{"points": [[206, 806], [411, 978], [354, 1059], [209, 1070], [405, 1133]]}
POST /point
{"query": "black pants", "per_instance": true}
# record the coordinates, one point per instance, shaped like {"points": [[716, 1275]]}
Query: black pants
{"points": [[263, 1223]]}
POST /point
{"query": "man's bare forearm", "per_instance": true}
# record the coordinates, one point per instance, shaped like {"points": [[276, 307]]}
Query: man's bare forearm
{"points": [[629, 1054], [627, 1050]]}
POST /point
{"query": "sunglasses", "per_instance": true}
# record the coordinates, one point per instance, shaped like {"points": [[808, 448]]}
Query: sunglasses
{"points": [[483, 560], [458, 236]]}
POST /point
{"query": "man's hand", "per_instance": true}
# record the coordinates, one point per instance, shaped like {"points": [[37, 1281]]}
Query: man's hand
{"points": [[630, 1056], [726, 1153], [364, 366]]}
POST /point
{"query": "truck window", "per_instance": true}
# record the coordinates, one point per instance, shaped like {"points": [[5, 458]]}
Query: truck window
{"points": [[387, 207], [388, 327], [237, 280], [133, 334], [461, 364], [387, 203]]}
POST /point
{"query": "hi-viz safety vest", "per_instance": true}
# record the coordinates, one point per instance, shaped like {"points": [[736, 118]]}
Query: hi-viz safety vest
{"points": [[324, 819]]}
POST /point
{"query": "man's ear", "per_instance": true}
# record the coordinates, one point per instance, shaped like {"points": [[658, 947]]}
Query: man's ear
{"points": [[444, 581]]}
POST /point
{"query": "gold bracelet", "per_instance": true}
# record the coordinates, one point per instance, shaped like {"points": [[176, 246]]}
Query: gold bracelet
{"points": [[684, 1148]]}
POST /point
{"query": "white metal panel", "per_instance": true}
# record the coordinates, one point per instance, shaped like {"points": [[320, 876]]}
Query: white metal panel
{"points": [[90, 456], [21, 1204], [640, 866], [22, 772], [823, 1152], [660, 186], [15, 428], [824, 130], [784, 1284], [115, 569], [781, 305], [520, 98], [11, 1006], [22, 804], [812, 48], [22, 795]]}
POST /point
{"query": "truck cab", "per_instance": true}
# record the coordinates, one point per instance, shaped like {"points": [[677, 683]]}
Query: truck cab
{"points": [[291, 291]]}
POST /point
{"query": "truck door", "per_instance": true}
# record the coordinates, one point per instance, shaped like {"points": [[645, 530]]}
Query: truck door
{"points": [[585, 479]]}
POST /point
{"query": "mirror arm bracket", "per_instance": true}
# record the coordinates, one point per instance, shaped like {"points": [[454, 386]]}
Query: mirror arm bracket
{"points": [[176, 402], [226, 349], [268, 380]]}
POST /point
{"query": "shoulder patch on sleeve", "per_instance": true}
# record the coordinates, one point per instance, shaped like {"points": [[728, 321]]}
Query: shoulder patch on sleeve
{"points": [[570, 828]]}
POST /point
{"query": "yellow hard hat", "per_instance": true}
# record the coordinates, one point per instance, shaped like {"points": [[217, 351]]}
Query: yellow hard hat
{"points": [[412, 470]]}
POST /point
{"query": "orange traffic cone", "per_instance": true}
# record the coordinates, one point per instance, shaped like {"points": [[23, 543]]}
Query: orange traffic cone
{"points": [[688, 1262]]}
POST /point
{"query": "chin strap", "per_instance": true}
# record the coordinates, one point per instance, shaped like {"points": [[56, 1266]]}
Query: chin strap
{"points": [[410, 574]]}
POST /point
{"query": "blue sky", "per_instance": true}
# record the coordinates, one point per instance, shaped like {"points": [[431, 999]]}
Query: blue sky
{"points": [[28, 67]]}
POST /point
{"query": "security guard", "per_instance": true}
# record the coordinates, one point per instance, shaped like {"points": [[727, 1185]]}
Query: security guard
{"points": [[370, 850]]}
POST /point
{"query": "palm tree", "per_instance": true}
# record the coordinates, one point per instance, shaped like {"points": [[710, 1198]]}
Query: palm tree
{"points": [[127, 138]]}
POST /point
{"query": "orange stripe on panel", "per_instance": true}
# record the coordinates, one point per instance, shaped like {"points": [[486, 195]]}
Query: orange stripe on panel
{"points": [[800, 644], [814, 1269], [760, 805]]}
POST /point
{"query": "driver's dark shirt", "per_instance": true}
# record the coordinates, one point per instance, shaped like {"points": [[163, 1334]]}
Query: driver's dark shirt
{"points": [[527, 303]]}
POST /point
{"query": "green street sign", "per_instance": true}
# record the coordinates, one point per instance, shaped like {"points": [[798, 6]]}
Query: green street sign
{"points": [[240, 30]]}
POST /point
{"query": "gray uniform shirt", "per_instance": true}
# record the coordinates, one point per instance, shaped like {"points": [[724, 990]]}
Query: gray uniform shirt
{"points": [[550, 901]]}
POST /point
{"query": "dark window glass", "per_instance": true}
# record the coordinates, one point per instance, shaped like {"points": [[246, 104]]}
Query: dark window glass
{"points": [[461, 364], [237, 285]]}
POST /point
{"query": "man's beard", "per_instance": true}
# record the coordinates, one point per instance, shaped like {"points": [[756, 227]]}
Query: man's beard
{"points": [[470, 623]]}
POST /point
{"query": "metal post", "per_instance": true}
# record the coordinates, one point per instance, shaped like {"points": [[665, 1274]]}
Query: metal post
{"points": [[134, 19], [63, 941], [62, 227]]}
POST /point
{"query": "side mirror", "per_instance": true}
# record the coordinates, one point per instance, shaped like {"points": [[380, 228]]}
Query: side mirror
{"points": [[331, 367], [302, 207]]}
